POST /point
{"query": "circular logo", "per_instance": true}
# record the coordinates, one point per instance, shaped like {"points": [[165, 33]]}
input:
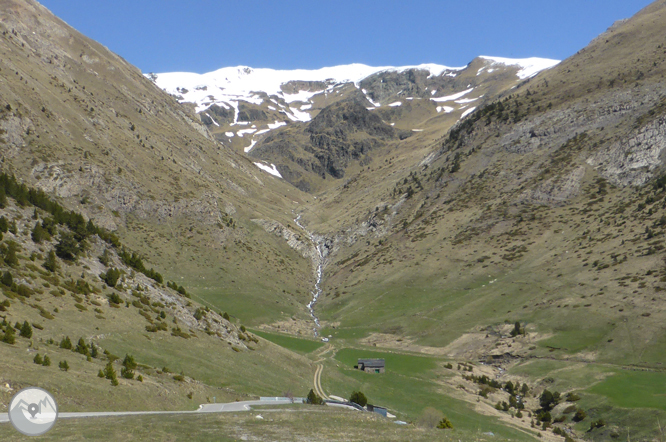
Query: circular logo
{"points": [[33, 411]]}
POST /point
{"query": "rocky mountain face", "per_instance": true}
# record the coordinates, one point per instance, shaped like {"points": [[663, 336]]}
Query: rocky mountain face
{"points": [[81, 123], [265, 112], [543, 206]]}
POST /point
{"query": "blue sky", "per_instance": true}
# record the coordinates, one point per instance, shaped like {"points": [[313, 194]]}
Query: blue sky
{"points": [[204, 35]]}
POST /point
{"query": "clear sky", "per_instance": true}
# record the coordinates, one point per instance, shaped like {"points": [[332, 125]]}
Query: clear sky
{"points": [[205, 35]]}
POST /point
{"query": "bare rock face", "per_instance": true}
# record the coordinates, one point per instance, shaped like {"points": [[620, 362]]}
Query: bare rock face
{"points": [[632, 161], [295, 240], [557, 190]]}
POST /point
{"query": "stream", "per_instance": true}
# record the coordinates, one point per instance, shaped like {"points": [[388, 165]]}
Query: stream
{"points": [[319, 258]]}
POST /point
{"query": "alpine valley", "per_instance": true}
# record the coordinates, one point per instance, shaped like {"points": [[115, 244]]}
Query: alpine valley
{"points": [[494, 232]]}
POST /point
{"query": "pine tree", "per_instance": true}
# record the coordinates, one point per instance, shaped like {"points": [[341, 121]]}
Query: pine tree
{"points": [[7, 279], [38, 359], [63, 365], [10, 337], [82, 347], [51, 262], [66, 343], [110, 373], [47, 361], [26, 330], [10, 254], [93, 350]]}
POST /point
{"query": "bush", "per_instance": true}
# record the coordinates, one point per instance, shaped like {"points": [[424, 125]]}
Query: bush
{"points": [[68, 247], [66, 343], [63, 365], [39, 234], [47, 361], [313, 399], [51, 262], [114, 299], [139, 378], [548, 400], [129, 365], [26, 330], [110, 373], [572, 397], [105, 258], [359, 398], [580, 415], [127, 373], [430, 418], [100, 374], [10, 336], [226, 316], [7, 279], [82, 347], [111, 277], [445, 423], [597, 424], [10, 253], [38, 359]]}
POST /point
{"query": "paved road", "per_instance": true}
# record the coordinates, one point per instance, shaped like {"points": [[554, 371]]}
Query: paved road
{"points": [[205, 408]]}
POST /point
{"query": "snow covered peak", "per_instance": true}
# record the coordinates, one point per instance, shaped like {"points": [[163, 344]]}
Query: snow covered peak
{"points": [[529, 67]]}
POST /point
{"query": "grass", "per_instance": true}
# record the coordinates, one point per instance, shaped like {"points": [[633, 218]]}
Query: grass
{"points": [[407, 388], [395, 362], [302, 346], [634, 389], [310, 423]]}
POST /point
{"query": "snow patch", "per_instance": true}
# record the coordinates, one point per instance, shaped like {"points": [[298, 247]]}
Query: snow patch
{"points": [[467, 112], [249, 148], [212, 119], [529, 67], [272, 169], [396, 104], [452, 97], [446, 109]]}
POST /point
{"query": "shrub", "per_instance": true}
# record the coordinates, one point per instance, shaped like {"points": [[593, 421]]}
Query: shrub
{"points": [[39, 234], [127, 373], [47, 361], [100, 374], [445, 423], [114, 299], [26, 330], [139, 378], [51, 262], [23, 290], [110, 373], [105, 258], [313, 399], [10, 253], [38, 359], [359, 398], [548, 400], [68, 247], [66, 343], [82, 347], [7, 279], [10, 337], [580, 415], [63, 365], [226, 316], [430, 418], [111, 277], [572, 397], [597, 424]]}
